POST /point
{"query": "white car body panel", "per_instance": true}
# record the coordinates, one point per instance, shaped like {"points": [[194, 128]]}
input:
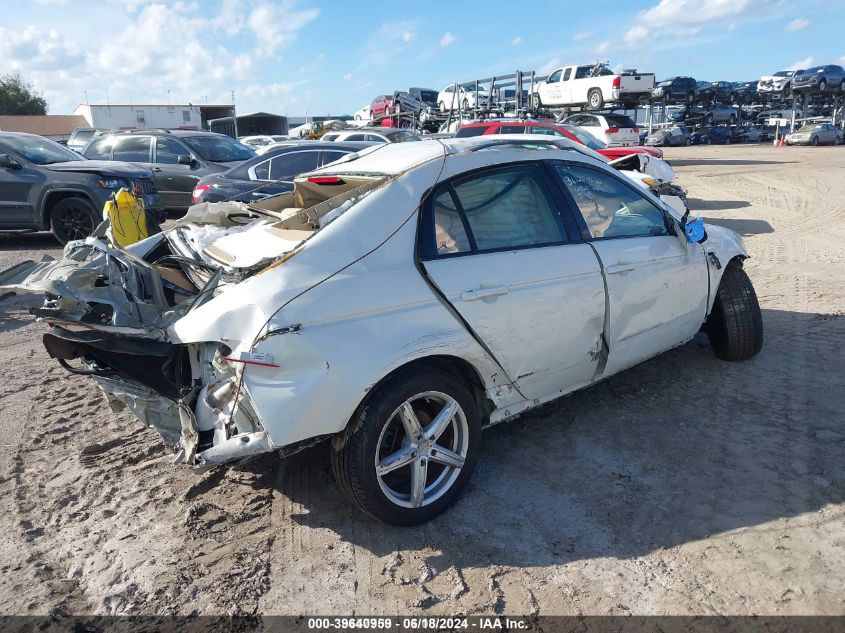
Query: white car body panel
{"points": [[336, 314], [658, 292], [515, 299]]}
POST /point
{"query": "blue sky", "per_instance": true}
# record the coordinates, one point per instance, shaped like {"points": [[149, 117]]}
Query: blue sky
{"points": [[306, 56]]}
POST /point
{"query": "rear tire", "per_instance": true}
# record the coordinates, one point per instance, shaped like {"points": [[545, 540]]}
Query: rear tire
{"points": [[536, 102], [735, 325], [595, 99], [380, 432], [73, 219]]}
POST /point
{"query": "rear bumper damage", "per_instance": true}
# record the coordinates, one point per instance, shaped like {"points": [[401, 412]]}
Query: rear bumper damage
{"points": [[207, 424]]}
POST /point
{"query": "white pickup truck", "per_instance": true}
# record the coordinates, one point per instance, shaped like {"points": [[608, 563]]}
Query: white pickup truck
{"points": [[593, 85]]}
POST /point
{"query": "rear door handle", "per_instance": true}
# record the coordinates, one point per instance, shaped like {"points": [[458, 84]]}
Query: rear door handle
{"points": [[483, 293], [619, 268]]}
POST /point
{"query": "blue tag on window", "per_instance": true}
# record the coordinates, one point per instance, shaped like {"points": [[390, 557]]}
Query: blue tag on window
{"points": [[694, 230]]}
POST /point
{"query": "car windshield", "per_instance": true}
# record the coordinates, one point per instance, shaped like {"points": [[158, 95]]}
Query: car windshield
{"points": [[401, 136], [218, 148], [428, 96], [41, 151], [587, 139], [810, 128], [782, 73]]}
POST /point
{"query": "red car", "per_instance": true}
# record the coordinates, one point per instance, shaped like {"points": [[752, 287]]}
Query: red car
{"points": [[551, 128], [381, 105]]}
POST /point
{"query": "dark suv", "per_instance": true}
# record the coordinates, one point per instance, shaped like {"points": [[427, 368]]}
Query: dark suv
{"points": [[44, 185], [820, 79], [178, 158], [675, 90]]}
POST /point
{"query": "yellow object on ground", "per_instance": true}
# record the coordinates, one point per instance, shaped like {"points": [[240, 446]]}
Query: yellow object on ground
{"points": [[127, 217]]}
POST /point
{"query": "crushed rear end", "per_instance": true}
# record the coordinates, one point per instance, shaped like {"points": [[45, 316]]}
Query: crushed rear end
{"points": [[113, 313]]}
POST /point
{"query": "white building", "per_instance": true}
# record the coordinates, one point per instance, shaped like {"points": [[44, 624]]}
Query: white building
{"points": [[131, 116]]}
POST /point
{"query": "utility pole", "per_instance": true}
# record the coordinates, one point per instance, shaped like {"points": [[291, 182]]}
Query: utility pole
{"points": [[234, 115]]}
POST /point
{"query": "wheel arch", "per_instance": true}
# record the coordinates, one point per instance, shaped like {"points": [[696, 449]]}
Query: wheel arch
{"points": [[54, 196], [459, 367], [722, 247]]}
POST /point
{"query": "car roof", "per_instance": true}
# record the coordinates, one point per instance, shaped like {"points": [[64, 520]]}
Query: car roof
{"points": [[161, 132], [17, 135], [394, 158]]}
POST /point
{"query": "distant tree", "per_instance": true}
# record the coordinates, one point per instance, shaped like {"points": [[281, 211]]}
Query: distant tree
{"points": [[17, 96]]}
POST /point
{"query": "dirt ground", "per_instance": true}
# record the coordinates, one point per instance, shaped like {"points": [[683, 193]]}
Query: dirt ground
{"points": [[684, 486]]}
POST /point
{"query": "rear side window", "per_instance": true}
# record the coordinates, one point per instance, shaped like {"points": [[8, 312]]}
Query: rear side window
{"points": [[474, 130], [134, 149], [168, 150], [356, 137], [512, 129], [609, 207], [619, 120], [286, 166], [501, 209], [450, 234], [100, 149]]}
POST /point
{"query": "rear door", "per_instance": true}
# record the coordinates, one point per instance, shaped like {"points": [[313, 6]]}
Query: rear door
{"points": [[657, 286], [517, 273], [175, 182]]}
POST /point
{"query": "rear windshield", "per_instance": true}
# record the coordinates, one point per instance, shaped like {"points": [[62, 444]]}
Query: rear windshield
{"points": [[474, 130], [401, 136], [620, 120], [218, 148], [585, 137], [82, 136], [40, 150]]}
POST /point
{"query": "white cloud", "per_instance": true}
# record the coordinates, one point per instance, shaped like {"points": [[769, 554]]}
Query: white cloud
{"points": [[277, 25], [549, 66], [674, 22], [602, 48], [583, 35], [635, 36], [516, 41], [797, 24], [801, 64], [388, 40], [347, 76], [674, 12], [34, 49], [447, 39]]}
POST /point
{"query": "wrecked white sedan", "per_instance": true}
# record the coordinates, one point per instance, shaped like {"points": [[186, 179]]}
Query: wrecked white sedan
{"points": [[395, 303]]}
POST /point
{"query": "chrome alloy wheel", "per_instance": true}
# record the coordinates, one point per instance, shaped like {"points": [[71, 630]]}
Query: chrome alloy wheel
{"points": [[421, 449]]}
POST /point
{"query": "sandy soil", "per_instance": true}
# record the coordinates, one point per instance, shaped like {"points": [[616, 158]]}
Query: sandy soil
{"points": [[685, 486]]}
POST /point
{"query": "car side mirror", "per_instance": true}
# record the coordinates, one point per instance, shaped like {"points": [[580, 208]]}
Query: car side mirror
{"points": [[7, 162], [185, 159]]}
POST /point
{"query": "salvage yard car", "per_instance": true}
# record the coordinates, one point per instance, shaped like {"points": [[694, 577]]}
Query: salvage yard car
{"points": [[393, 304], [816, 134], [178, 158], [45, 186], [591, 85], [271, 173], [676, 135]]}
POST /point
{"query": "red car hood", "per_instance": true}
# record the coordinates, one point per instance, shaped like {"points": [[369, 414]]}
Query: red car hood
{"points": [[619, 152]]}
